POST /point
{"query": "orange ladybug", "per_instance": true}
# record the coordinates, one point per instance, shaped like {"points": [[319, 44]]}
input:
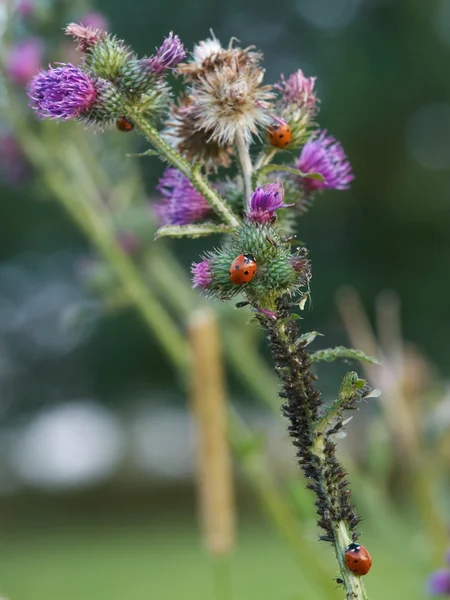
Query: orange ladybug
{"points": [[124, 124], [242, 269], [280, 135], [357, 559]]}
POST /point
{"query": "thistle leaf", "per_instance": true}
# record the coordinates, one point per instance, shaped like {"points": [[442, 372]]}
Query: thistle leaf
{"points": [[307, 338], [142, 154], [192, 231], [332, 354], [297, 172]]}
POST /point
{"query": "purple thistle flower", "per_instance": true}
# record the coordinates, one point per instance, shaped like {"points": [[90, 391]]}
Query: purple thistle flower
{"points": [[24, 59], [182, 203], [168, 55], [326, 156], [439, 583], [265, 201], [299, 90], [201, 274], [62, 93]]}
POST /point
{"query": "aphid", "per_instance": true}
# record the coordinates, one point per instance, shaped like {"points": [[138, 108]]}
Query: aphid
{"points": [[357, 559], [124, 124], [280, 135], [242, 269]]}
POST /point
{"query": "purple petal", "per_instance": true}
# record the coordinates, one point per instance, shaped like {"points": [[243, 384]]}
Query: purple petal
{"points": [[201, 274], [265, 201], [62, 93], [326, 156], [169, 54], [182, 203], [439, 583]]}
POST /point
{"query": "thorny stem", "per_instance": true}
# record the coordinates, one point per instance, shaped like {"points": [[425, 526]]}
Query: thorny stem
{"points": [[192, 173], [276, 504], [315, 450], [353, 585], [246, 165]]}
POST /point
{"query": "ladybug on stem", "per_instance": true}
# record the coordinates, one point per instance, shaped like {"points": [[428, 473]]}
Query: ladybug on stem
{"points": [[280, 135], [124, 124], [357, 559], [242, 269]]}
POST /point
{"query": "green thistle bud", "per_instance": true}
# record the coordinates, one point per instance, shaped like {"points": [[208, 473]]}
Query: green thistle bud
{"points": [[135, 78], [107, 107], [107, 57], [259, 240], [275, 275]]}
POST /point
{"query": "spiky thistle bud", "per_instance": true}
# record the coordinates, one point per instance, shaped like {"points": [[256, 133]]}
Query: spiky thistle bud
{"points": [[275, 276], [297, 105], [138, 76], [107, 56], [325, 155]]}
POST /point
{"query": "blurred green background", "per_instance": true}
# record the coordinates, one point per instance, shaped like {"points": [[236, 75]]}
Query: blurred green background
{"points": [[96, 491]]}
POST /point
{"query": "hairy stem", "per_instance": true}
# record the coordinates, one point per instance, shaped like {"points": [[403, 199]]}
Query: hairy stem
{"points": [[246, 165], [192, 173], [315, 449]]}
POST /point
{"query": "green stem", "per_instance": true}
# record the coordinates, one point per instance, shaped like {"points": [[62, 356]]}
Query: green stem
{"points": [[276, 505], [246, 165], [350, 389], [353, 584], [316, 454], [192, 173], [265, 158]]}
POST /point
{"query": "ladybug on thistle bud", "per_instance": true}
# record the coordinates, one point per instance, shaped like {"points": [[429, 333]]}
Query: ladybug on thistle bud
{"points": [[358, 559], [242, 269], [124, 124], [280, 135]]}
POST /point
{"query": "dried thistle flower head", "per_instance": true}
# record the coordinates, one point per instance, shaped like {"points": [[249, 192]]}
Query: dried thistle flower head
{"points": [[196, 144], [227, 97], [208, 55], [85, 36]]}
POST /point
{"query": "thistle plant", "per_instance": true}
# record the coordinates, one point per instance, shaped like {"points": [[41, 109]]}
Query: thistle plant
{"points": [[224, 119]]}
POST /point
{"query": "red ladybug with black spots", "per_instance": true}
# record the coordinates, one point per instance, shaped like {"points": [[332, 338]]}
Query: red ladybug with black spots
{"points": [[280, 135], [124, 124], [358, 559], [242, 269]]}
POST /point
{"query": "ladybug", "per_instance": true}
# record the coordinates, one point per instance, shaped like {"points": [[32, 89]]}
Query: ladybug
{"points": [[357, 559], [124, 124], [242, 269], [280, 135]]}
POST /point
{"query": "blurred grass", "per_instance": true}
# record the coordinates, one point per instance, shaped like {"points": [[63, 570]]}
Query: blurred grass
{"points": [[163, 560]]}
